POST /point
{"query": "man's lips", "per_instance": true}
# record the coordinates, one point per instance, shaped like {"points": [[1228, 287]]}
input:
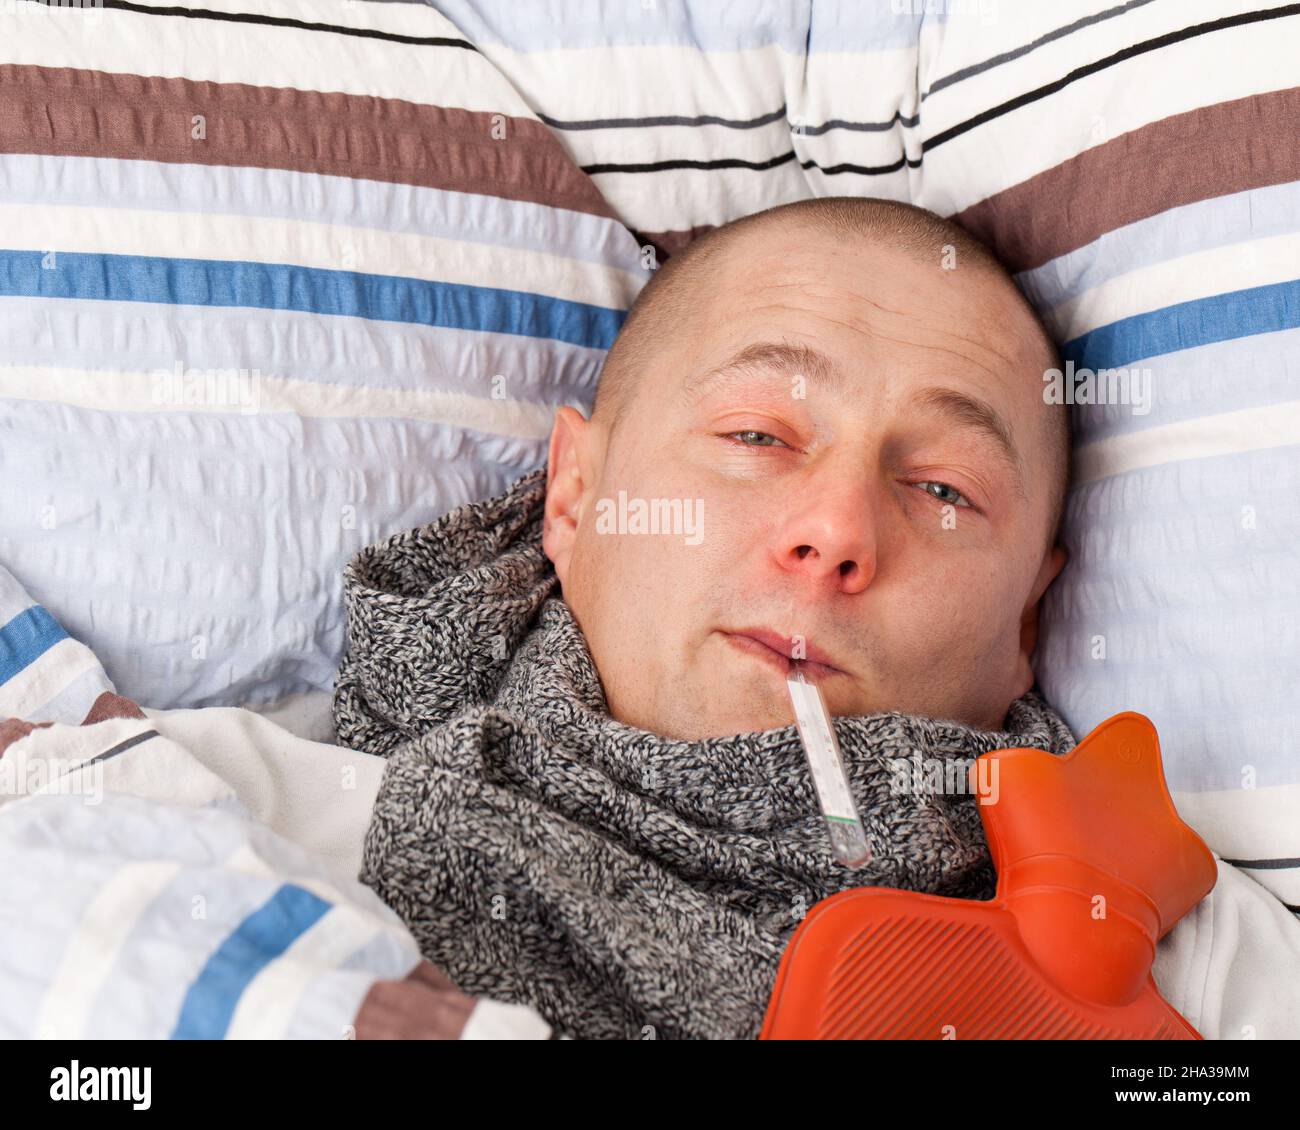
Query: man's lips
{"points": [[776, 649]]}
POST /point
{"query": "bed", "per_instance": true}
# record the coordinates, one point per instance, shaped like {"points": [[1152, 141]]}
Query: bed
{"points": [[280, 278]]}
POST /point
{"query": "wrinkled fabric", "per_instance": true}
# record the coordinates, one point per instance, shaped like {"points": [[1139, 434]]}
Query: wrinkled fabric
{"points": [[624, 884]]}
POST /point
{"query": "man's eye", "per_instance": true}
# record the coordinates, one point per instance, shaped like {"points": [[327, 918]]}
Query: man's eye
{"points": [[944, 493], [752, 438]]}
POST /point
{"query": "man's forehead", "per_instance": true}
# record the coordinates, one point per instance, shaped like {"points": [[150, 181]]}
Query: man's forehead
{"points": [[766, 358], [896, 299], [794, 252], [973, 329]]}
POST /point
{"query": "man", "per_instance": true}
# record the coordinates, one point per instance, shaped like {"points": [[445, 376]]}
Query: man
{"points": [[853, 391], [820, 437]]}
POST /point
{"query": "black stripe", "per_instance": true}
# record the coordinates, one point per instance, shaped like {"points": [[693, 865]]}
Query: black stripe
{"points": [[799, 130], [859, 127], [121, 747], [666, 166], [1020, 52], [666, 120], [736, 163], [1135, 50], [1265, 864], [273, 21], [863, 170]]}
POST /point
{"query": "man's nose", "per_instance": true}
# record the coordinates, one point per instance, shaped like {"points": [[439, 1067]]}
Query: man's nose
{"points": [[831, 534]]}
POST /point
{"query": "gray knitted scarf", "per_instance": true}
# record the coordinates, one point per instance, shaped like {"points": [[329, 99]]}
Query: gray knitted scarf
{"points": [[623, 884]]}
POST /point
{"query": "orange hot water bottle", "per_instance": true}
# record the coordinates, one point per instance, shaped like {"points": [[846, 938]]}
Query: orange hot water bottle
{"points": [[1094, 867]]}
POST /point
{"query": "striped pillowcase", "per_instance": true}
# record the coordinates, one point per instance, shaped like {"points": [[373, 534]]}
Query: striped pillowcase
{"points": [[277, 279], [45, 675], [1135, 163]]}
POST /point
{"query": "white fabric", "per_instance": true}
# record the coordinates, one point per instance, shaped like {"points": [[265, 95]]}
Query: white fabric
{"points": [[134, 881], [317, 795], [307, 715], [494, 1020], [320, 797], [1232, 966]]}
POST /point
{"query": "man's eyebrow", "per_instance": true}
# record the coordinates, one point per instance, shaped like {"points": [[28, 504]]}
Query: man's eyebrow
{"points": [[783, 358], [777, 358], [973, 413]]}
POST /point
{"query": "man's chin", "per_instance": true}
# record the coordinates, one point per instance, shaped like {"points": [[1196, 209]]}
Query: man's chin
{"points": [[747, 706]]}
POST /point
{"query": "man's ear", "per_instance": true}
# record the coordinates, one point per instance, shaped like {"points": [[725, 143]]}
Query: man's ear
{"points": [[1053, 562], [568, 478]]}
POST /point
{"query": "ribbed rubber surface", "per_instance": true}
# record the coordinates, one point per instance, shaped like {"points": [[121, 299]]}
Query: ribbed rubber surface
{"points": [[906, 978]]}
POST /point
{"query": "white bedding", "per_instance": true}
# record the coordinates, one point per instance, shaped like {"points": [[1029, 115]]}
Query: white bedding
{"points": [[191, 875], [315, 794], [1231, 966], [307, 715]]}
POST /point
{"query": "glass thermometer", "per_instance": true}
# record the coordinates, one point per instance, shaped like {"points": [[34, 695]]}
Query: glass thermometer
{"points": [[848, 837]]}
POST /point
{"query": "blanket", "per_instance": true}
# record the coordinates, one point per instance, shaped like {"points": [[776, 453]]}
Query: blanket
{"points": [[191, 874]]}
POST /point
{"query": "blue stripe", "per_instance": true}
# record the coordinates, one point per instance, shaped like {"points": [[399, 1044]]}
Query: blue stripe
{"points": [[262, 937], [279, 286], [1221, 317], [1246, 372], [27, 637]]}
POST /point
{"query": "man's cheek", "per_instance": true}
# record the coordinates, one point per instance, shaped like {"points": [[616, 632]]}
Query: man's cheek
{"points": [[936, 619], [982, 627], [643, 582]]}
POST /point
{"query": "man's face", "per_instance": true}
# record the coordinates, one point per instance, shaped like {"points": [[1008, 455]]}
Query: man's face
{"points": [[851, 506]]}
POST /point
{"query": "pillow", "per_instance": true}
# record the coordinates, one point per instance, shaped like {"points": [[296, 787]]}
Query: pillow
{"points": [[1134, 163], [277, 279], [690, 113]]}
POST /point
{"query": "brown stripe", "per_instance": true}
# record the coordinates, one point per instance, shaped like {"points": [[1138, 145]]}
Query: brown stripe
{"points": [[668, 243], [63, 111], [1214, 151], [110, 705], [15, 729]]}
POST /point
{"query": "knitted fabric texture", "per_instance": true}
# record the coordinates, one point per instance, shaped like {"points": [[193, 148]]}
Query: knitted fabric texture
{"points": [[624, 884]]}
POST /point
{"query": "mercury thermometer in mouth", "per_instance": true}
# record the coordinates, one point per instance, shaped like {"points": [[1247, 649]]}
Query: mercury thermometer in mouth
{"points": [[848, 837]]}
